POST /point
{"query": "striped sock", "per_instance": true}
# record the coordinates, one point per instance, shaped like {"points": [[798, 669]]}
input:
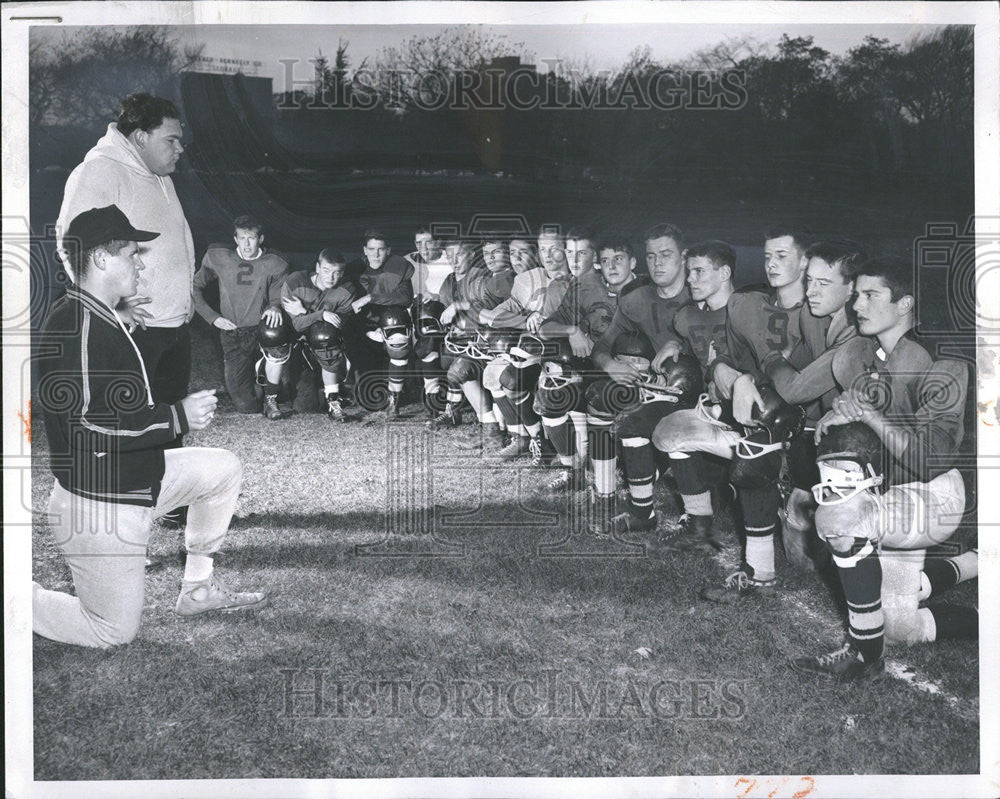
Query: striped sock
{"points": [[637, 454], [861, 576]]}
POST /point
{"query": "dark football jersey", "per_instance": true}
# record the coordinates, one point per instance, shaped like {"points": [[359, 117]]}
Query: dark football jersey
{"points": [[641, 309], [246, 288], [455, 291], [391, 284], [757, 325], [336, 299], [589, 303], [915, 391], [703, 331]]}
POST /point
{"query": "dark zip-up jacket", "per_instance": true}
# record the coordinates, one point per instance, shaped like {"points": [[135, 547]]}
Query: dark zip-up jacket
{"points": [[106, 435]]}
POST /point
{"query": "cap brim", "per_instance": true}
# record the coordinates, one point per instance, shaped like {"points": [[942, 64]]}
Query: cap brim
{"points": [[143, 235]]}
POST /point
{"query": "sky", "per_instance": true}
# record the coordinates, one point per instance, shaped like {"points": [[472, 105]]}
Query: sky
{"points": [[600, 46]]}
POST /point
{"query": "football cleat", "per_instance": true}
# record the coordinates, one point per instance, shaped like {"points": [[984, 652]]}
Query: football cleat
{"points": [[392, 409], [271, 409], [604, 511], [738, 586], [692, 533], [208, 596], [843, 665], [628, 522], [518, 446], [334, 410], [537, 450], [451, 416], [568, 479]]}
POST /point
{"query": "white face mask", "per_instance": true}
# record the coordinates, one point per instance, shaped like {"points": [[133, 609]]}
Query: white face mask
{"points": [[838, 484]]}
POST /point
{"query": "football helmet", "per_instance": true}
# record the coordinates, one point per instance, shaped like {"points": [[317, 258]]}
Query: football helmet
{"points": [[680, 383], [276, 342], [560, 368], [326, 343], [396, 327], [456, 342], [528, 351], [851, 459], [500, 342], [429, 322], [778, 423]]}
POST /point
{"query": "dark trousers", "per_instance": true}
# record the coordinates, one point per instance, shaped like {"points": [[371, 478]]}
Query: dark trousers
{"points": [[240, 352], [166, 352]]}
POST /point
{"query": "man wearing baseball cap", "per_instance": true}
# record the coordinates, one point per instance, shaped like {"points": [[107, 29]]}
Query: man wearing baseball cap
{"points": [[107, 437]]}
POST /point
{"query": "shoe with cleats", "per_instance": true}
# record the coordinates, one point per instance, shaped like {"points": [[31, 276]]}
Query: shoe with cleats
{"points": [[568, 479], [271, 409], [692, 533], [451, 416], [518, 446], [628, 522], [392, 409], [211, 595], [335, 410], [842, 665], [739, 586], [536, 448]]}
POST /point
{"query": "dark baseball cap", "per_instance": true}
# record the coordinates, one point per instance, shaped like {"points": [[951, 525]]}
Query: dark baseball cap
{"points": [[101, 225]]}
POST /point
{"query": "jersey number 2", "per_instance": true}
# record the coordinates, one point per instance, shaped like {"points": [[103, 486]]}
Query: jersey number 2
{"points": [[245, 270]]}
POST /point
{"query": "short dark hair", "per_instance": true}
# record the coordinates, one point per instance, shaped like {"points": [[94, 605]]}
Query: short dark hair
{"points": [[144, 112], [578, 232], [331, 256], [616, 242], [896, 273], [801, 236], [549, 229], [718, 252], [843, 254], [247, 222], [79, 260], [457, 241], [374, 233], [664, 230]]}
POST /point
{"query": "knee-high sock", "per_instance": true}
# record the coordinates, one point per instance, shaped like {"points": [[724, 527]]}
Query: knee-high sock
{"points": [[559, 430], [397, 372], [688, 469], [861, 576], [760, 518], [641, 470], [602, 452], [940, 574]]}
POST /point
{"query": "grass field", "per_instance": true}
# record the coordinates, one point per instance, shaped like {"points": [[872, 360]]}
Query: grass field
{"points": [[429, 620]]}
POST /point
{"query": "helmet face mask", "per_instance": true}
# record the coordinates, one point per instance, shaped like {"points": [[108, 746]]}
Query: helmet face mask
{"points": [[841, 480], [527, 351], [710, 412], [851, 460], [756, 445], [556, 375], [455, 344]]}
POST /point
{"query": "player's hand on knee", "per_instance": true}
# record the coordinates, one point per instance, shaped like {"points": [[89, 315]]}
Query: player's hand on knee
{"points": [[199, 408], [224, 324]]}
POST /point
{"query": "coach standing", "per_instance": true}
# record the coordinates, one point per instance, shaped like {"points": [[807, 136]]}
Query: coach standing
{"points": [[106, 436], [130, 167]]}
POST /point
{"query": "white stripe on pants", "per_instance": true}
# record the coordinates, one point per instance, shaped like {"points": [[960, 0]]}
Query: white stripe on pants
{"points": [[105, 546]]}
